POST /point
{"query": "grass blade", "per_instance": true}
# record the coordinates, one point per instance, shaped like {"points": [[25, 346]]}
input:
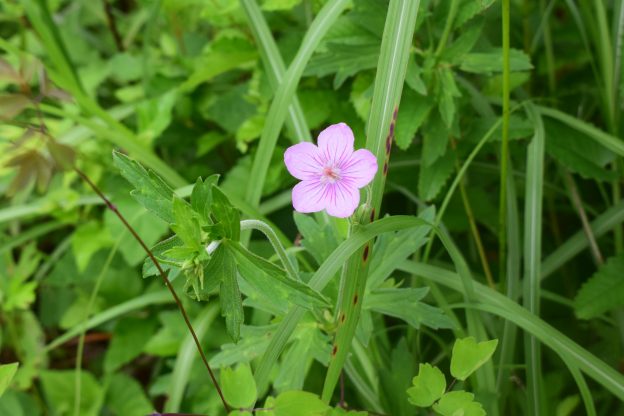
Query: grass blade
{"points": [[532, 256]]}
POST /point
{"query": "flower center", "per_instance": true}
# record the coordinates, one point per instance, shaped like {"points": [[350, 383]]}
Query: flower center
{"points": [[330, 174]]}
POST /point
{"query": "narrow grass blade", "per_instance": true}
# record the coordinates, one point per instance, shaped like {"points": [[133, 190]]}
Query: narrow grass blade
{"points": [[275, 68], [498, 304], [532, 257], [284, 96]]}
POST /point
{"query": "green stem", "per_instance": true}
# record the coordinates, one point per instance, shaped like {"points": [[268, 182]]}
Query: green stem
{"points": [[448, 27], [266, 229], [502, 214]]}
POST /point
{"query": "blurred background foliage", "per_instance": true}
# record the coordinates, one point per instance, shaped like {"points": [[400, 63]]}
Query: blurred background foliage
{"points": [[180, 86]]}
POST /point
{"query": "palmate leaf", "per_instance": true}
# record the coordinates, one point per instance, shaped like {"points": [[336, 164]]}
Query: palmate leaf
{"points": [[603, 291], [149, 189], [459, 402], [427, 387]]}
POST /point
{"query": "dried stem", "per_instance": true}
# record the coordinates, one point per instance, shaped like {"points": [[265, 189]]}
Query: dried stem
{"points": [[165, 279]]}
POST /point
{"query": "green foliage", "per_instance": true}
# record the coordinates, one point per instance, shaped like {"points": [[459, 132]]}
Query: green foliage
{"points": [[469, 355], [428, 386], [603, 291], [7, 372], [239, 386]]}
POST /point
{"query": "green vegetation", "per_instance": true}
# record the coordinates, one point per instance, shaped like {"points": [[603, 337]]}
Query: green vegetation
{"points": [[151, 261]]}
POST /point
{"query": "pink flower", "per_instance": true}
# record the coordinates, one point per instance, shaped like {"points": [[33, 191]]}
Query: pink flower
{"points": [[331, 174]]}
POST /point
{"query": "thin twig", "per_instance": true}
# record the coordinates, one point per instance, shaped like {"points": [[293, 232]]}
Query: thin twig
{"points": [[112, 25], [165, 279]]}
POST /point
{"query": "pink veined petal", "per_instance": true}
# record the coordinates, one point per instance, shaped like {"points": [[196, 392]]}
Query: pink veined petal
{"points": [[360, 168], [336, 143], [308, 196], [341, 200], [302, 161]]}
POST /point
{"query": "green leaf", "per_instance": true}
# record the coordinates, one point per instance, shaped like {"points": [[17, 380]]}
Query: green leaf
{"points": [[404, 304], [225, 215], [456, 403], [150, 190], [297, 292], [490, 62], [272, 5], [201, 197], [413, 112], [603, 291], [129, 338], [428, 386], [317, 237], [299, 403], [446, 95], [7, 372], [577, 152], [186, 224], [432, 178], [239, 386], [468, 356], [435, 140], [60, 393], [125, 396], [230, 296]]}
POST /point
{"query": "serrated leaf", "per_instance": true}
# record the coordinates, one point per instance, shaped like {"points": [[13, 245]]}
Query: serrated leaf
{"points": [[492, 61], [403, 303], [299, 403], [455, 403], [448, 91], [150, 190], [239, 386], [427, 387], [469, 9], [603, 291], [435, 140], [413, 78], [229, 294], [413, 111], [468, 356], [297, 292], [317, 238], [225, 215], [432, 178], [7, 372], [159, 250], [578, 152], [186, 224]]}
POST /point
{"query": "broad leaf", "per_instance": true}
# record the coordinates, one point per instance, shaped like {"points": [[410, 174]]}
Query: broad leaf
{"points": [[225, 215], [149, 189], [201, 197], [428, 386], [129, 338], [432, 178], [239, 386], [413, 111], [299, 403], [456, 403], [7, 371], [60, 393], [229, 294], [603, 291], [489, 62], [468, 356], [186, 225], [125, 396]]}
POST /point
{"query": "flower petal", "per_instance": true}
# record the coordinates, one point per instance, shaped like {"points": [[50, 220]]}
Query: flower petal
{"points": [[303, 161], [308, 196], [360, 168], [336, 143], [341, 200]]}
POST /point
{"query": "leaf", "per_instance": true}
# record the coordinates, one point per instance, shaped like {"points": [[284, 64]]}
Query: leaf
{"points": [[7, 372], [603, 291], [125, 396], [297, 292], [239, 386], [186, 225], [150, 190], [201, 197], [129, 338], [492, 61], [317, 237], [413, 112], [428, 386], [64, 156], [60, 393], [469, 9], [447, 93], [435, 140], [88, 239], [578, 152], [229, 295], [154, 116], [11, 105], [396, 378], [404, 304], [225, 215], [456, 403], [299, 403], [432, 178], [413, 78], [159, 250], [468, 356], [273, 5]]}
